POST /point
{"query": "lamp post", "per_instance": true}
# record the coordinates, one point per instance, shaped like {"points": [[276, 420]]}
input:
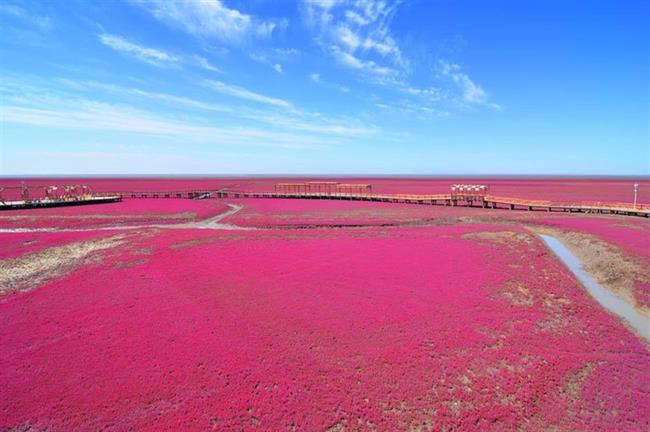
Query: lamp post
{"points": [[636, 190]]}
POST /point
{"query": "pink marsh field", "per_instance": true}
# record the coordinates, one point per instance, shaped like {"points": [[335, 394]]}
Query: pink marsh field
{"points": [[127, 212], [321, 315]]}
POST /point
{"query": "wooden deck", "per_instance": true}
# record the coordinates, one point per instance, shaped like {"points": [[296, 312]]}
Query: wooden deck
{"points": [[453, 200], [38, 203], [484, 201], [183, 194]]}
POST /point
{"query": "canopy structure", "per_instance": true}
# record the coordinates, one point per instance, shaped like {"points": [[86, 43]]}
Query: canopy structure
{"points": [[29, 193], [469, 190], [323, 188]]}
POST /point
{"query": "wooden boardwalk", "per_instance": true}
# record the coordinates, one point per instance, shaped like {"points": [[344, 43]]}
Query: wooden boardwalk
{"points": [[453, 200], [38, 203], [187, 194], [484, 201]]}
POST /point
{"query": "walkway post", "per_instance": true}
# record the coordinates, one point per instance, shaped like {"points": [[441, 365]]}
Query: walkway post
{"points": [[636, 189]]}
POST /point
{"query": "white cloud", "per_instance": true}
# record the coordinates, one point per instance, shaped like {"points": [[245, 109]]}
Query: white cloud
{"points": [[292, 119], [284, 53], [357, 34], [316, 78], [263, 59], [356, 18], [456, 90], [155, 57], [44, 23], [203, 63], [420, 109], [148, 55], [92, 115], [430, 93], [210, 19], [181, 101], [176, 101], [347, 37], [367, 66], [42, 104], [471, 93], [242, 93], [320, 126], [273, 57]]}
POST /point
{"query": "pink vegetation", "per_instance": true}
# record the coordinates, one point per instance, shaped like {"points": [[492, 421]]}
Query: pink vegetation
{"points": [[372, 328], [128, 211], [296, 213]]}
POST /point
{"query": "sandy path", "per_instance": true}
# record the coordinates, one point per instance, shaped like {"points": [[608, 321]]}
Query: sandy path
{"points": [[210, 223]]}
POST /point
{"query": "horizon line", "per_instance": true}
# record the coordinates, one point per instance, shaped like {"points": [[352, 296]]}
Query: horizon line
{"points": [[340, 175]]}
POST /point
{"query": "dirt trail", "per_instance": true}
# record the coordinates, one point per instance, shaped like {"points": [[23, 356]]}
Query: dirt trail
{"points": [[213, 222], [210, 223]]}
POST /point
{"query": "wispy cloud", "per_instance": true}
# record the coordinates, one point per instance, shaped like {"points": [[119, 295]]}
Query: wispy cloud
{"points": [[155, 56], [454, 90], [203, 63], [417, 109], [210, 19], [291, 120], [275, 57], [151, 56], [242, 93], [284, 53], [43, 23], [366, 66], [99, 116], [266, 60], [357, 34], [299, 121], [470, 92], [45, 105], [317, 79], [130, 92]]}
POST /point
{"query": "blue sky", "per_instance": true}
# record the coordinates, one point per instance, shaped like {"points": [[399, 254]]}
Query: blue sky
{"points": [[330, 86]]}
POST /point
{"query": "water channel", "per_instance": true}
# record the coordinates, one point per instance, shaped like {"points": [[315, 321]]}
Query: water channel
{"points": [[606, 298]]}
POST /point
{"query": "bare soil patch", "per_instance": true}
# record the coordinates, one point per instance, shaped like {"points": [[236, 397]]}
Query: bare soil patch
{"points": [[517, 293], [498, 236], [28, 271], [574, 381]]}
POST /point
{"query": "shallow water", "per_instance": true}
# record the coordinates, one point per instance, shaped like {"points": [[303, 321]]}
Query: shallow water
{"points": [[603, 296]]}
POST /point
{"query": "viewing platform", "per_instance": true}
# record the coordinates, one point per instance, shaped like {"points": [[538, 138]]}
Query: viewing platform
{"points": [[93, 199], [28, 197]]}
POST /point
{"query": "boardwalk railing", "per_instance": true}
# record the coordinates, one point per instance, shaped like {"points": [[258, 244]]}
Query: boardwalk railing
{"points": [[185, 194], [484, 201], [60, 202], [460, 200]]}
